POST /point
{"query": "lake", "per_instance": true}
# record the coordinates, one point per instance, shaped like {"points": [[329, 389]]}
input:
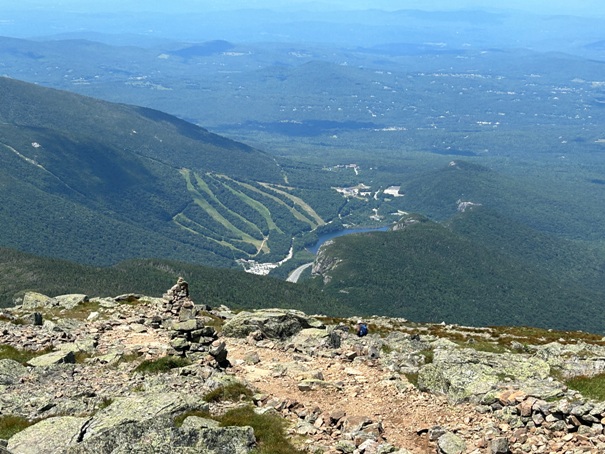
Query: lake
{"points": [[328, 236]]}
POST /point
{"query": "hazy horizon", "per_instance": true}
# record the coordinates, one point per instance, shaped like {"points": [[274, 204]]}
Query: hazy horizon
{"points": [[589, 8], [538, 25]]}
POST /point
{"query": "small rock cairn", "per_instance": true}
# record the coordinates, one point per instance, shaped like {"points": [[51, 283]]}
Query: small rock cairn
{"points": [[190, 333]]}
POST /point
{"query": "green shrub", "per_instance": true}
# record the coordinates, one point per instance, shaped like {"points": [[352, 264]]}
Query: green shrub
{"points": [[269, 429], [10, 425], [105, 402], [591, 387], [163, 364], [232, 391], [386, 349]]}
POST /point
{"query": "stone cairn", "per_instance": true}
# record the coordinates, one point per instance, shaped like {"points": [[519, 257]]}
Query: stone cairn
{"points": [[190, 333], [177, 298]]}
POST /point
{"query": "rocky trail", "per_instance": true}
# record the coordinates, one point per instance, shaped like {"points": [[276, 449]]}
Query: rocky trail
{"points": [[404, 388], [360, 390]]}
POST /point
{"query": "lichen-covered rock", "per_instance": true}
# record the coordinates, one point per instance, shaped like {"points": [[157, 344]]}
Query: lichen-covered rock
{"points": [[49, 436], [345, 446], [466, 374], [35, 300], [72, 300], [309, 336], [135, 409], [84, 344], [11, 371], [499, 446], [226, 440], [185, 326], [450, 443], [273, 323], [50, 359], [138, 438], [143, 423], [197, 422], [573, 359]]}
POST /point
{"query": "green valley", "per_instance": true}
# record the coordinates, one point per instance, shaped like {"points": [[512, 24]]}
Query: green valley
{"points": [[499, 150], [101, 183]]}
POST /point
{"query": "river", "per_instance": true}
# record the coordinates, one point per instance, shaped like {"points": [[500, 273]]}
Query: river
{"points": [[328, 236]]}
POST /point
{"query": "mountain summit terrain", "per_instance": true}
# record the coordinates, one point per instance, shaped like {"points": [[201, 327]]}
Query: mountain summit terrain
{"points": [[131, 374]]}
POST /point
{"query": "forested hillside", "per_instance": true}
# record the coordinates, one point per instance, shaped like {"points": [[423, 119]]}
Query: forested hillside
{"points": [[99, 183], [424, 271], [498, 148], [20, 272]]}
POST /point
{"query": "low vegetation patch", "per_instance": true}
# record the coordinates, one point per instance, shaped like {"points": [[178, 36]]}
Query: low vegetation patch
{"points": [[21, 356], [80, 312], [105, 402], [412, 378], [11, 424], [163, 364], [231, 392], [128, 358], [386, 349], [81, 357], [428, 354], [487, 346], [269, 429], [9, 319], [539, 336], [591, 387], [380, 330]]}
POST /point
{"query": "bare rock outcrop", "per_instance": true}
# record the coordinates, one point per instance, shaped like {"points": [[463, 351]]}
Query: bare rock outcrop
{"points": [[469, 375], [272, 323], [143, 423]]}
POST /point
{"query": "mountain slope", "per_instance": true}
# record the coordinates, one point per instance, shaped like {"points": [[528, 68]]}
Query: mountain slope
{"points": [[578, 262], [145, 132], [544, 204], [21, 272], [425, 272], [115, 182]]}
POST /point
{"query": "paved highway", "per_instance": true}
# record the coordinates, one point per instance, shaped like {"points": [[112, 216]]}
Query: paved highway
{"points": [[295, 275]]}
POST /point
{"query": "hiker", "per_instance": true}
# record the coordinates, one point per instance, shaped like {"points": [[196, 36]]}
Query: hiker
{"points": [[361, 328]]}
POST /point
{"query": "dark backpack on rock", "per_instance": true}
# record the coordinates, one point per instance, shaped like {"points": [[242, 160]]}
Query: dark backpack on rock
{"points": [[363, 330]]}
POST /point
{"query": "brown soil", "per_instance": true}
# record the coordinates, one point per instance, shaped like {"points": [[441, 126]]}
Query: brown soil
{"points": [[364, 391]]}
